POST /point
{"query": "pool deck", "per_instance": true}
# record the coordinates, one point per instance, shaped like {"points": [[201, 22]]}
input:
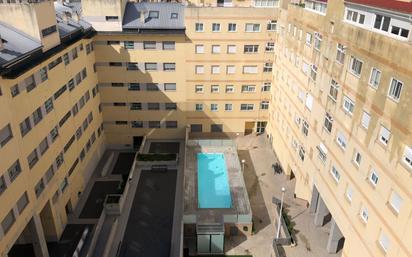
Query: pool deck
{"points": [[240, 199]]}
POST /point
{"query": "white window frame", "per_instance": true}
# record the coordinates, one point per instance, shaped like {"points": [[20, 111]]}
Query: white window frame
{"points": [[384, 242], [335, 174], [407, 157], [395, 201], [199, 25], [229, 89], [364, 214], [375, 78], [228, 109], [374, 177], [199, 89], [215, 49], [230, 69], [231, 49], [308, 39], [248, 89], [254, 25], [391, 91], [354, 72], [199, 69], [214, 107], [341, 53], [214, 89], [365, 119], [216, 25], [341, 140], [357, 158], [384, 135], [215, 69], [199, 49], [348, 105], [200, 109]]}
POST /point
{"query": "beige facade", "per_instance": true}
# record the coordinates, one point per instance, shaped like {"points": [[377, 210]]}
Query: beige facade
{"points": [[335, 123], [342, 132]]}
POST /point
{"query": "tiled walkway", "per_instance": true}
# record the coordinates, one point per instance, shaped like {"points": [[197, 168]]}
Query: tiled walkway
{"points": [[262, 185]]}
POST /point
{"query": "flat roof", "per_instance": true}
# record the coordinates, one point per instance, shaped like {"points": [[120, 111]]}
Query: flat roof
{"points": [[16, 44], [170, 16]]}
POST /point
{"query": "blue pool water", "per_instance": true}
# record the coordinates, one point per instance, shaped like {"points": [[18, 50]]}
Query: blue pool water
{"points": [[213, 189]]}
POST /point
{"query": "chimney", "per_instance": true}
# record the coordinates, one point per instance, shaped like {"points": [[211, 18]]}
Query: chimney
{"points": [[142, 15]]}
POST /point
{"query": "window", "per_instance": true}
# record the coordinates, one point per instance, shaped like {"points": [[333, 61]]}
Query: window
{"points": [[373, 178], [170, 106], [246, 107], [248, 88], [365, 120], [267, 67], [357, 158], [250, 49], [54, 133], [153, 106], [309, 102], [215, 27], [37, 116], [74, 53], [200, 49], [250, 69], [216, 128], [199, 27], [301, 153], [112, 18], [5, 135], [318, 41], [348, 105], [44, 145], [382, 22], [266, 86], [199, 69], [215, 49], [137, 124], [15, 169], [313, 72], [8, 221], [134, 87], [231, 69], [335, 173], [32, 158], [60, 92], [57, 62], [305, 128], [214, 107], [270, 47], [228, 107], [308, 39], [30, 83], [264, 105], [364, 214], [231, 27], [215, 69], [272, 25], [154, 14], [231, 49], [341, 140], [341, 52], [3, 185], [170, 86], [43, 74], [322, 152], [171, 124], [214, 89], [384, 241], [150, 66], [355, 17], [149, 45], [115, 64], [333, 91], [169, 66], [252, 27], [14, 90], [266, 3], [355, 66], [316, 6], [328, 122], [349, 193], [395, 201], [199, 107], [129, 44], [198, 88], [230, 89], [152, 87], [384, 135], [22, 202], [168, 45], [407, 156], [375, 78], [25, 126], [71, 85], [48, 31], [395, 89], [135, 106], [154, 124]]}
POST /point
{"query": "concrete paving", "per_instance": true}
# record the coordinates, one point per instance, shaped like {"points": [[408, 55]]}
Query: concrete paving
{"points": [[262, 185]]}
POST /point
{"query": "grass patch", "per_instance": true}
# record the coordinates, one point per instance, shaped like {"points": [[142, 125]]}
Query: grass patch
{"points": [[156, 157]]}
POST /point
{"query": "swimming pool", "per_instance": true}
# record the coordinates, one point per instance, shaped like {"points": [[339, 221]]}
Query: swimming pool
{"points": [[213, 189]]}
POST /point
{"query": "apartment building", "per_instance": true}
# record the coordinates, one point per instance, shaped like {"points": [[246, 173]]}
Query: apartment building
{"points": [[50, 124], [328, 81], [340, 119]]}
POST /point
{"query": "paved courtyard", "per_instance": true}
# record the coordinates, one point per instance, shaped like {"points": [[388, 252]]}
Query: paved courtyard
{"points": [[262, 185]]}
